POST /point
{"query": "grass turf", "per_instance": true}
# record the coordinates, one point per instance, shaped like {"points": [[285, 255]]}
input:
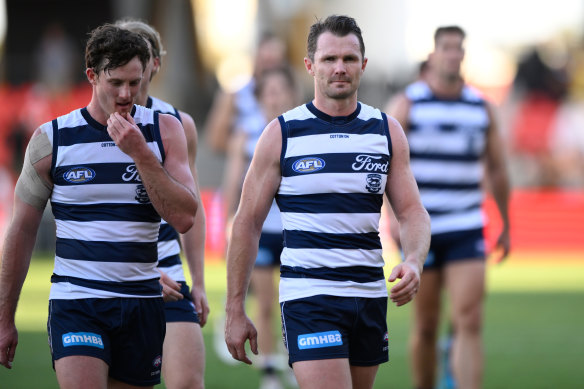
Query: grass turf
{"points": [[533, 330]]}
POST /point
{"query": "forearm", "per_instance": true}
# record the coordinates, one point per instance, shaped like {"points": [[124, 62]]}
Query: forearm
{"points": [[499, 182], [415, 236], [18, 248], [193, 242], [173, 201], [241, 254]]}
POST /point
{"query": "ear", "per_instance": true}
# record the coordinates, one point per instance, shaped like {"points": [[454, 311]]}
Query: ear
{"points": [[364, 64], [156, 66], [91, 76], [308, 66]]}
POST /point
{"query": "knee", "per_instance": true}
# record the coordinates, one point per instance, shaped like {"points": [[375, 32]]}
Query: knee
{"points": [[469, 320], [427, 330]]}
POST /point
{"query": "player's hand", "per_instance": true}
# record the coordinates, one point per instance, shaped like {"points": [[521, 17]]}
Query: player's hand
{"points": [[125, 133], [503, 246], [170, 288], [201, 304], [409, 274], [8, 342], [238, 329]]}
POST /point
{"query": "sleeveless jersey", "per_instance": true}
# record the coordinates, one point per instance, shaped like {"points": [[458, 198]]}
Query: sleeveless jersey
{"points": [[169, 245], [106, 226], [334, 172], [447, 140]]}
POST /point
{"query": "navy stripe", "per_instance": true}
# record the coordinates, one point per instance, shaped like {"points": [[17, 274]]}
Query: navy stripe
{"points": [[55, 146], [105, 212], [387, 134], [442, 211], [170, 261], [155, 135], [149, 287], [448, 186], [70, 136], [460, 99], [359, 274], [105, 173], [330, 203], [167, 232], [336, 120], [143, 252], [443, 127], [284, 129], [469, 157], [340, 163], [295, 239]]}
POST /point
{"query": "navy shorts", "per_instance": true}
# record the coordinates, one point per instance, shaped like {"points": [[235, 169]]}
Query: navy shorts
{"points": [[329, 327], [270, 249], [126, 333], [182, 310], [454, 246]]}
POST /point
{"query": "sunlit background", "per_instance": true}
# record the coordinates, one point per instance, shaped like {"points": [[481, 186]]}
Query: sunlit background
{"points": [[526, 56]]}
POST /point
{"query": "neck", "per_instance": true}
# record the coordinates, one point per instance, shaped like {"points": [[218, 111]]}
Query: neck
{"points": [[96, 112], [141, 99], [446, 85], [336, 107]]}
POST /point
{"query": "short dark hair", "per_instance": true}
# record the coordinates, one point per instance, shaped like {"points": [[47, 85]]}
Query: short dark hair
{"points": [[338, 25], [448, 30], [110, 47]]}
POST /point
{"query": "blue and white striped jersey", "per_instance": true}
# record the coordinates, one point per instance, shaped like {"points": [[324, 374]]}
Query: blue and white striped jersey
{"points": [[334, 173], [447, 140], [106, 226], [169, 239]]}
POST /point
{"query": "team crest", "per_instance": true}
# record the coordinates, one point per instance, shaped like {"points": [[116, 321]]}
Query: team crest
{"points": [[373, 184], [141, 194]]}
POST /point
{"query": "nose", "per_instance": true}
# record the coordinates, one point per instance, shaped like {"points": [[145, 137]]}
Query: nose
{"points": [[125, 91], [340, 66]]}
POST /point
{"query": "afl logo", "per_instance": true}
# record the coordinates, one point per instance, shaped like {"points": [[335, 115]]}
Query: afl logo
{"points": [[79, 175], [308, 165]]}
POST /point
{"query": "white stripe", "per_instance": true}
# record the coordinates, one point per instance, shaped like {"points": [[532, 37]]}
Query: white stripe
{"points": [[298, 113], [94, 194], [273, 222], [331, 222], [73, 119], [102, 231], [439, 142], [323, 144], [105, 271], [444, 199], [313, 258], [457, 222], [368, 112], [167, 248], [67, 291], [295, 288], [97, 152], [327, 183], [175, 272], [458, 114], [451, 172]]}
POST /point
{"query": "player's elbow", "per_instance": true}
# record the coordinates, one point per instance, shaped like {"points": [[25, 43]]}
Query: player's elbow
{"points": [[185, 220]]}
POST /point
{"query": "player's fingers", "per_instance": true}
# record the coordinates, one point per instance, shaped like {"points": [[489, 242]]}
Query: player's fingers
{"points": [[395, 272], [253, 342]]}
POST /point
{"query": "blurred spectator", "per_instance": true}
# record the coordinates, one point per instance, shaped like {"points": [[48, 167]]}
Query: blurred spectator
{"points": [[230, 110]]}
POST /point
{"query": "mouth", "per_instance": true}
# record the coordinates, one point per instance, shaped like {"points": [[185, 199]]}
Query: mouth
{"points": [[123, 106]]}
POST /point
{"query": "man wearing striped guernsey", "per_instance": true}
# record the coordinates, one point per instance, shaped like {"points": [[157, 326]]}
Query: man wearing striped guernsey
{"points": [[328, 164], [111, 170], [453, 138]]}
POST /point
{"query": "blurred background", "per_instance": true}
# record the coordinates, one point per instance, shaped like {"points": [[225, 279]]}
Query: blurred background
{"points": [[526, 56]]}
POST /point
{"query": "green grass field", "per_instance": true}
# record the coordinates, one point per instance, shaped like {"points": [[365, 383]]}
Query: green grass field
{"points": [[534, 330]]}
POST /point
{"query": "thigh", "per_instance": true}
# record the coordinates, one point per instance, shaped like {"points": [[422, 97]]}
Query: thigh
{"points": [[183, 364], [323, 374], [81, 372], [428, 300], [137, 343], [465, 283], [363, 377]]}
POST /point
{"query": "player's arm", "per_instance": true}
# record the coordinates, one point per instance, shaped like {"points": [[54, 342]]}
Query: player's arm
{"points": [[498, 180], [260, 185], [232, 178], [413, 220], [168, 185], [398, 107], [219, 121], [193, 241], [32, 191]]}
